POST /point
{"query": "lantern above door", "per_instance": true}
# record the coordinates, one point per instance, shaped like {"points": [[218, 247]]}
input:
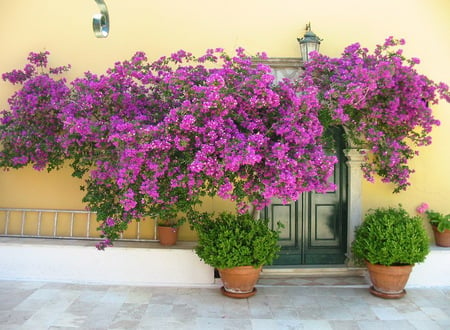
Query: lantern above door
{"points": [[309, 43]]}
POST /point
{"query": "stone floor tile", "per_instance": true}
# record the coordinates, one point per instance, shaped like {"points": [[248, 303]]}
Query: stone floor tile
{"points": [[24, 285], [304, 301], [278, 301], [138, 296], [405, 305], [340, 312], [260, 311], [41, 319], [157, 310], [69, 320], [14, 318], [275, 324], [387, 313], [361, 312], [416, 315], [167, 322], [236, 309], [101, 316], [91, 296], [30, 304], [285, 314], [62, 286], [330, 301], [385, 325], [445, 324], [435, 313], [210, 310], [79, 307], [310, 313], [221, 323], [185, 299], [184, 311], [420, 300], [446, 291], [346, 291], [130, 312], [344, 325], [446, 309], [426, 325], [282, 291], [115, 295], [124, 325], [316, 325], [15, 297]]}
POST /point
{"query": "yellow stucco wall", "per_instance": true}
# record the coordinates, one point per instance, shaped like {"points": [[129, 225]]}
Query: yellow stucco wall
{"points": [[63, 27]]}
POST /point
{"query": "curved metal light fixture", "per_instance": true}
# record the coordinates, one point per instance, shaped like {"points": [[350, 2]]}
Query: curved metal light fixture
{"points": [[100, 22], [309, 43]]}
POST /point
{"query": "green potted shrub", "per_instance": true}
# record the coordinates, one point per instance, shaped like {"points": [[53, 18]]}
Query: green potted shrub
{"points": [[390, 242], [238, 246], [440, 224]]}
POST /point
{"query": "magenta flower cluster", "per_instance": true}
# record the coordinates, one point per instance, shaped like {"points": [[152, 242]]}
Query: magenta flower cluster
{"points": [[155, 137], [152, 138], [29, 130], [382, 102]]}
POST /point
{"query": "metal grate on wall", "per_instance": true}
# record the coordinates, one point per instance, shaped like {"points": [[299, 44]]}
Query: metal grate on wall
{"points": [[65, 224]]}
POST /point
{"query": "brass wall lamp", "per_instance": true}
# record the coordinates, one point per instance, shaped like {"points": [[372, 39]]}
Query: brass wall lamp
{"points": [[100, 22]]}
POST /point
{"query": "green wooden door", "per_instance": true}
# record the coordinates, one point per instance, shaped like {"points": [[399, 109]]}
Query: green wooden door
{"points": [[315, 226]]}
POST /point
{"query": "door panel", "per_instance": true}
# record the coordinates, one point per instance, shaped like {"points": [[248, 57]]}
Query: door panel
{"points": [[287, 215], [315, 225]]}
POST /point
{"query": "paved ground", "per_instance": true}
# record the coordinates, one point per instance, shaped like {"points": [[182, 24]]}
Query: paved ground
{"points": [[38, 305]]}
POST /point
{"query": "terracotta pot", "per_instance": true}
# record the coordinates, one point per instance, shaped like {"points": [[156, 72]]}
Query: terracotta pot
{"points": [[167, 235], [441, 238], [239, 282], [389, 281]]}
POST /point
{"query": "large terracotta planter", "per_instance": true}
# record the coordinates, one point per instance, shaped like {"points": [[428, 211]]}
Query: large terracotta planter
{"points": [[388, 281], [167, 235], [239, 282], [441, 238]]}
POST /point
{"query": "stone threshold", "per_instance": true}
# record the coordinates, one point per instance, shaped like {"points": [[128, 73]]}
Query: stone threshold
{"points": [[322, 270]]}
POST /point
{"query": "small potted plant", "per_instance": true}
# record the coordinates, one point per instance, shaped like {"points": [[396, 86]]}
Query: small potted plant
{"points": [[168, 231], [440, 224], [238, 246], [390, 242], [167, 224]]}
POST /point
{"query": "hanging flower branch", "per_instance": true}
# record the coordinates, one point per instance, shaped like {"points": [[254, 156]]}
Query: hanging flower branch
{"points": [[381, 101], [29, 130]]}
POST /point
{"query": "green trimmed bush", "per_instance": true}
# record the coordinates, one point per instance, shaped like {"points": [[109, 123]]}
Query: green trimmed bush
{"points": [[235, 240], [390, 237]]}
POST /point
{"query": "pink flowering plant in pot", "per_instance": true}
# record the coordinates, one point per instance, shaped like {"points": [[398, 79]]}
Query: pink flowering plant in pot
{"points": [[437, 219]]}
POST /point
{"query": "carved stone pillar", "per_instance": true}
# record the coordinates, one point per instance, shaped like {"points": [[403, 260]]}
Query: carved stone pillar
{"points": [[355, 216]]}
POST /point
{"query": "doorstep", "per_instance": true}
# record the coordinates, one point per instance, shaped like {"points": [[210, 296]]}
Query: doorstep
{"points": [[331, 271], [341, 276]]}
